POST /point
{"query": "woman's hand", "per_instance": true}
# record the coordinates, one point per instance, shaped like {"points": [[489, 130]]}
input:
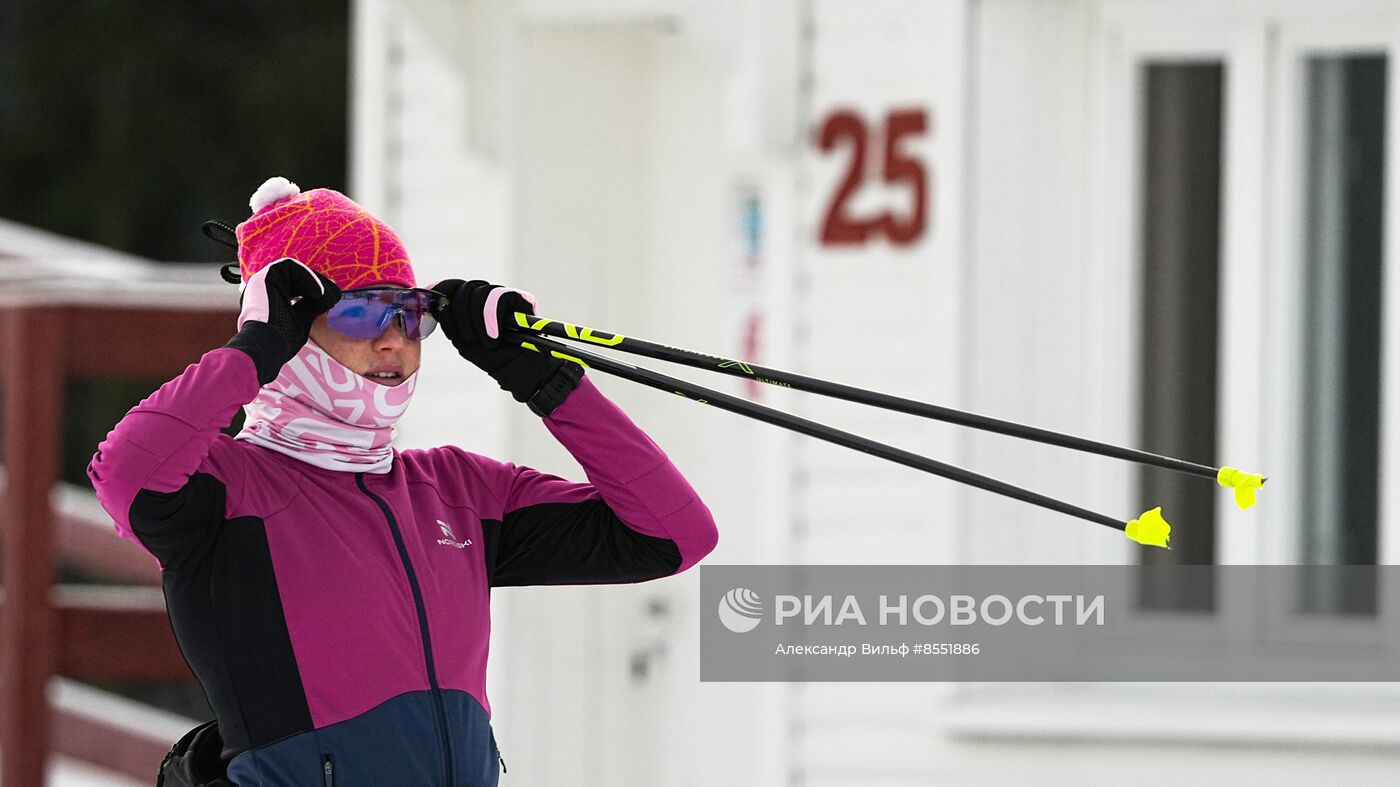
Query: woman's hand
{"points": [[478, 319], [279, 303]]}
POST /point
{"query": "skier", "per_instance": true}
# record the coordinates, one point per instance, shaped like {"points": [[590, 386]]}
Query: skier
{"points": [[329, 591]]}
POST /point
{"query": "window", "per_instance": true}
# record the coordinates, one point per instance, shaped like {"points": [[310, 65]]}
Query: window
{"points": [[1183, 105], [1344, 163], [1242, 164]]}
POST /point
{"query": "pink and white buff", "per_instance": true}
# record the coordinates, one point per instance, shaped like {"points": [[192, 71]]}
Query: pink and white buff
{"points": [[322, 413]]}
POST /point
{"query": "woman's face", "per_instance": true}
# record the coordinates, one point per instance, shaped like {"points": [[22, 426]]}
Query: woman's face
{"points": [[391, 353]]}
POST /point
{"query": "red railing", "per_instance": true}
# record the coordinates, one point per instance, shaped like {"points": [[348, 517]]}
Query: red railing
{"points": [[94, 633]]}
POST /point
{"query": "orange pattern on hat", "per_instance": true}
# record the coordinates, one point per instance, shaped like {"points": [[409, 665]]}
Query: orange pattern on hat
{"points": [[332, 235]]}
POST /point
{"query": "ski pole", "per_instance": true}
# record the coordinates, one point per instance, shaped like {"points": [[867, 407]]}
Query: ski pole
{"points": [[1243, 484], [1149, 529]]}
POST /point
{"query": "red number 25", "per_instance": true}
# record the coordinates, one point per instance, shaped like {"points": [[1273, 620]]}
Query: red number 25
{"points": [[839, 227]]}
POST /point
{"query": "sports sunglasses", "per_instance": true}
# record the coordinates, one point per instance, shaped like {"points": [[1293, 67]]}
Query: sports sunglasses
{"points": [[366, 313]]}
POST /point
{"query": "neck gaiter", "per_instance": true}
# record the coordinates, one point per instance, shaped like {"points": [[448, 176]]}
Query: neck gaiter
{"points": [[322, 413]]}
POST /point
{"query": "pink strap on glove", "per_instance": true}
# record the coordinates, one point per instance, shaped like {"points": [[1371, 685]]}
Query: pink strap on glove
{"points": [[255, 297], [493, 329]]}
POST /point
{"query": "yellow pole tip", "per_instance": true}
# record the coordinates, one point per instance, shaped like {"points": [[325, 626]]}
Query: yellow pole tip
{"points": [[1243, 483], [1150, 529]]}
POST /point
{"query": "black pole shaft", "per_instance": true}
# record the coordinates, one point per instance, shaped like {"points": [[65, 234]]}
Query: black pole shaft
{"points": [[820, 431], [849, 393]]}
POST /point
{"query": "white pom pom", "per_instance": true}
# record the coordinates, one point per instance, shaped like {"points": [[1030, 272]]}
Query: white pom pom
{"points": [[272, 190]]}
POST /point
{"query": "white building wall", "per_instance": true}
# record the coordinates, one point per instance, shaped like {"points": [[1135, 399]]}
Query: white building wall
{"points": [[1029, 306], [585, 156], [598, 153], [886, 317]]}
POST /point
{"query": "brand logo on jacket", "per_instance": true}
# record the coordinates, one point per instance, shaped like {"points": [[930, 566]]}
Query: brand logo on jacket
{"points": [[451, 540]]}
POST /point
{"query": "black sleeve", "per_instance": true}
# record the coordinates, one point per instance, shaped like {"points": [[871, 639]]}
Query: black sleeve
{"points": [[179, 527], [580, 543]]}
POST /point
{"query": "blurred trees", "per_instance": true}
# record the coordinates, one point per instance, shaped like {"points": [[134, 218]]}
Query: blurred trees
{"points": [[131, 123]]}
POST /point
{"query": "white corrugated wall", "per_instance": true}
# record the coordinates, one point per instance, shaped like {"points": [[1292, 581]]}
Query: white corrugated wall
{"points": [[601, 153]]}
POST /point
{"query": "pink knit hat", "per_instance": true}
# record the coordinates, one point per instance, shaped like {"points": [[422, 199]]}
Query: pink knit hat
{"points": [[324, 229]]}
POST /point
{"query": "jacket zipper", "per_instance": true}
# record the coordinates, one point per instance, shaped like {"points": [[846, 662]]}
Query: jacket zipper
{"points": [[439, 710], [328, 769]]}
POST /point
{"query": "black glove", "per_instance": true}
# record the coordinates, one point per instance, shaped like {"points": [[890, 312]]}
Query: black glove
{"points": [[272, 329], [536, 378]]}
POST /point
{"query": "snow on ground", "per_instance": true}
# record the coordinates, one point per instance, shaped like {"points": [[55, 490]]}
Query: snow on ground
{"points": [[64, 772]]}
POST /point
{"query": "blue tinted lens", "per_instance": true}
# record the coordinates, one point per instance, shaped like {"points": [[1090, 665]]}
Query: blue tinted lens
{"points": [[418, 322], [365, 314], [359, 317], [418, 327]]}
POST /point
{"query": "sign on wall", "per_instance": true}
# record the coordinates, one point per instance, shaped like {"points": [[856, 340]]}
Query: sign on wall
{"points": [[881, 258], [876, 153]]}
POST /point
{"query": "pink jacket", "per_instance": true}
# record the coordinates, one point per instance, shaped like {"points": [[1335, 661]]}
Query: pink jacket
{"points": [[339, 622]]}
